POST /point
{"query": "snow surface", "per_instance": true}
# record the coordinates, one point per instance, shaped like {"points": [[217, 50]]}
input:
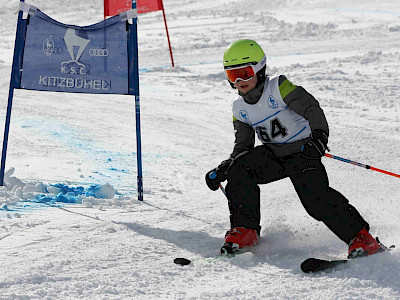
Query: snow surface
{"points": [[78, 148]]}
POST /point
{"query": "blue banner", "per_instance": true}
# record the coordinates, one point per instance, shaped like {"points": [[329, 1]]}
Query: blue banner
{"points": [[67, 58], [97, 59]]}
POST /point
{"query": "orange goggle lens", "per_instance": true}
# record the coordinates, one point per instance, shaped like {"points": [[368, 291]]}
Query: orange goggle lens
{"points": [[242, 73]]}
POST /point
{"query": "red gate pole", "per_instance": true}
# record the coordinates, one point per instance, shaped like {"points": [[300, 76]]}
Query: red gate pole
{"points": [[166, 28]]}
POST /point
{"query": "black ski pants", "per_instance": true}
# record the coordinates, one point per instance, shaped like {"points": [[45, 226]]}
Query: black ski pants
{"points": [[309, 178]]}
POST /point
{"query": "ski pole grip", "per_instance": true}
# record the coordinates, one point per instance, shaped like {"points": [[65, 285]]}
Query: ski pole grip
{"points": [[212, 175]]}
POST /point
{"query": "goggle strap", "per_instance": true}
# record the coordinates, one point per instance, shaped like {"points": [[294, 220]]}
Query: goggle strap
{"points": [[260, 64]]}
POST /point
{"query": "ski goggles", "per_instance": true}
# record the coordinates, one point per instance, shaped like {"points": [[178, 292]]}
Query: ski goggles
{"points": [[244, 72]]}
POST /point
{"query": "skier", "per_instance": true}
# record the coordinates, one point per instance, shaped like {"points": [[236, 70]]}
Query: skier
{"points": [[294, 134]]}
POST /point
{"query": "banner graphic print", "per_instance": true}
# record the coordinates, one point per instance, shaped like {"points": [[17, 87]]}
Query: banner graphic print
{"points": [[65, 58], [114, 7], [144, 6]]}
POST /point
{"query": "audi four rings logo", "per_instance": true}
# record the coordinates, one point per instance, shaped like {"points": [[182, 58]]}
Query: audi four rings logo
{"points": [[58, 50], [99, 52]]}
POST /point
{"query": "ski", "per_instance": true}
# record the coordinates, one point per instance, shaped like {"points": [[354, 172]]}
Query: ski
{"points": [[184, 261], [228, 250], [313, 265]]}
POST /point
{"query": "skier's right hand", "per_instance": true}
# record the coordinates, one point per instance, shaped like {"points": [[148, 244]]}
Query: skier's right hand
{"points": [[218, 175]]}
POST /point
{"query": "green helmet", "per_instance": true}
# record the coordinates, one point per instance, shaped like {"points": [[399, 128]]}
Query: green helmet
{"points": [[243, 52]]}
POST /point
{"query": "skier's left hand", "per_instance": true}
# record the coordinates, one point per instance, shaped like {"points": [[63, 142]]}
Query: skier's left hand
{"points": [[317, 146]]}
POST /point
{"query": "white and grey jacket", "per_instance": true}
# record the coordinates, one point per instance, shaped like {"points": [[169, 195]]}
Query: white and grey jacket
{"points": [[282, 114]]}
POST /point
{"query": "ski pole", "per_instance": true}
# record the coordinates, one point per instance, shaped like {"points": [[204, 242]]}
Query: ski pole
{"points": [[361, 165], [222, 189], [213, 175]]}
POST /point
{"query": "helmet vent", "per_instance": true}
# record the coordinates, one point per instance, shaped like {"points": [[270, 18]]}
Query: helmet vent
{"points": [[246, 57]]}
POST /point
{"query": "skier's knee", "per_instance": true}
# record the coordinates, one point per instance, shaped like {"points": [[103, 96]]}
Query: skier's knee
{"points": [[315, 211]]}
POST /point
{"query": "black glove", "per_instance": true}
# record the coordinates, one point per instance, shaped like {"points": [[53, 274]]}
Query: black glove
{"points": [[218, 175], [317, 146]]}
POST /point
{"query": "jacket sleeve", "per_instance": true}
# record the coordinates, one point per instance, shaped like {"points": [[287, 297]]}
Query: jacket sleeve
{"points": [[244, 138], [303, 103]]}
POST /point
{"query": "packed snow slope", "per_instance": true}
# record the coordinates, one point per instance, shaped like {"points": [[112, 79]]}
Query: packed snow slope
{"points": [[108, 245]]}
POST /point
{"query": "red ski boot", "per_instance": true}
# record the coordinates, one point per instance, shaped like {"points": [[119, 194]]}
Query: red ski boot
{"points": [[363, 244], [239, 237]]}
